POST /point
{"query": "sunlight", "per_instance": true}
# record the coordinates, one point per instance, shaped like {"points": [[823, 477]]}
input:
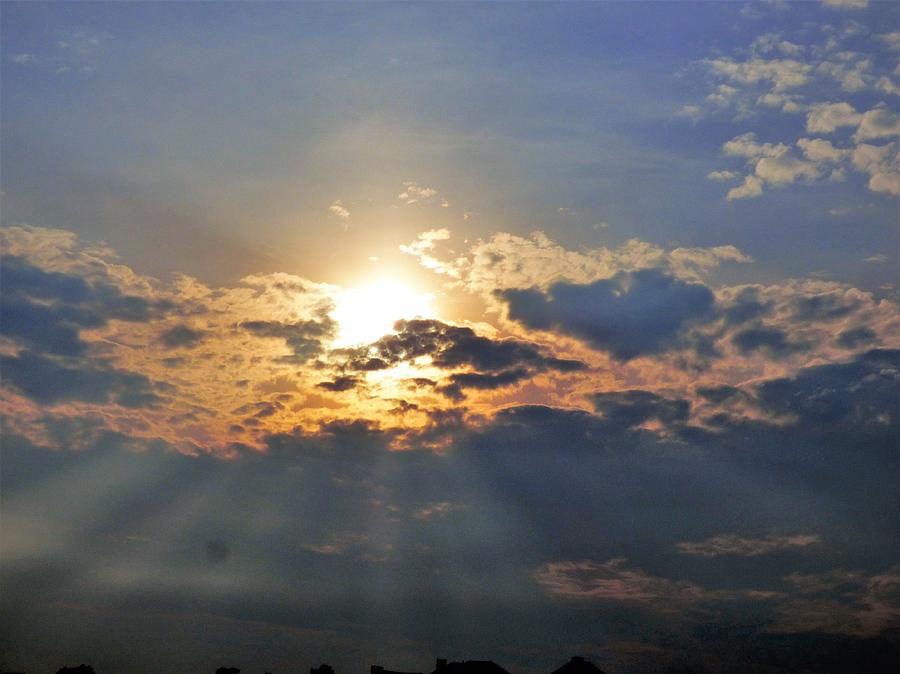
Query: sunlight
{"points": [[365, 314]]}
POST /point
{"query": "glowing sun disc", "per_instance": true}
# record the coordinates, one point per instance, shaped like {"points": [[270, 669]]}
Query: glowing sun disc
{"points": [[365, 314]]}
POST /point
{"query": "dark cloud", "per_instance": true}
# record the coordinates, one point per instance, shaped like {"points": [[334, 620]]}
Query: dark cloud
{"points": [[47, 310], [335, 515], [627, 409], [824, 307], [496, 362], [340, 384], [629, 315], [48, 380], [719, 394], [746, 306], [305, 339], [853, 338], [451, 346], [858, 396], [773, 341], [181, 336]]}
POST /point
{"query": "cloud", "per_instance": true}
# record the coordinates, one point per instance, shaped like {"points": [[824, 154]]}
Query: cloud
{"points": [[629, 315], [48, 310], [629, 409], [846, 4], [49, 381], [422, 247], [22, 59], [613, 581], [340, 384], [751, 187], [338, 210], [723, 176], [413, 193], [181, 336], [305, 339], [877, 123], [773, 341], [782, 74], [734, 545], [492, 363], [746, 145]]}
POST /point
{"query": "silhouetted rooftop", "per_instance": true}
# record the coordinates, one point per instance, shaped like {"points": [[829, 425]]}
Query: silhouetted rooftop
{"points": [[578, 665]]}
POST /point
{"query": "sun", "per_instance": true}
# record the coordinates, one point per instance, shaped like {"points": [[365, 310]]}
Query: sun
{"points": [[364, 314]]}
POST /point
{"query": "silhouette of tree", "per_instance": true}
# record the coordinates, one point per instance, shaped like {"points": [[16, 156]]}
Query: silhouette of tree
{"points": [[80, 669], [228, 670]]}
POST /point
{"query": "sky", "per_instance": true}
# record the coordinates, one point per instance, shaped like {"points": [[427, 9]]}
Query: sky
{"points": [[374, 333]]}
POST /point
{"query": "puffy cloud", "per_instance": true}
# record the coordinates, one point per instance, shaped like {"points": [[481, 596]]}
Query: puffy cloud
{"points": [[882, 163], [510, 261], [751, 187], [826, 117], [819, 150], [731, 544], [877, 123], [723, 176], [891, 40], [629, 315], [746, 145], [783, 74], [785, 169]]}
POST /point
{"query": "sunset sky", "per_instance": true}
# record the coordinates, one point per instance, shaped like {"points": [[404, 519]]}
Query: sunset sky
{"points": [[374, 333]]}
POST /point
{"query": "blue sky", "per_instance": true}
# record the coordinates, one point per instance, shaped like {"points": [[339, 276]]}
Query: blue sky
{"points": [[378, 332]]}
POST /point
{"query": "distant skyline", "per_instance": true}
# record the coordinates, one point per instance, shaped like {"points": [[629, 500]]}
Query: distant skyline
{"points": [[360, 332]]}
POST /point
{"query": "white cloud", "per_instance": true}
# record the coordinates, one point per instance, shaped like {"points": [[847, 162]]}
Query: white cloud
{"points": [[787, 102], [413, 193], [820, 150], [745, 145], [882, 163], [338, 210], [851, 77], [877, 123], [723, 176], [886, 86], [846, 4], [783, 74], [689, 111], [422, 247], [892, 40], [784, 169], [751, 187], [22, 59], [826, 117]]}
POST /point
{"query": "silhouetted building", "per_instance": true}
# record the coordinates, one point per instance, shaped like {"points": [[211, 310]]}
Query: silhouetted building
{"points": [[378, 669], [228, 670], [578, 665], [80, 669], [468, 667], [322, 669]]}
